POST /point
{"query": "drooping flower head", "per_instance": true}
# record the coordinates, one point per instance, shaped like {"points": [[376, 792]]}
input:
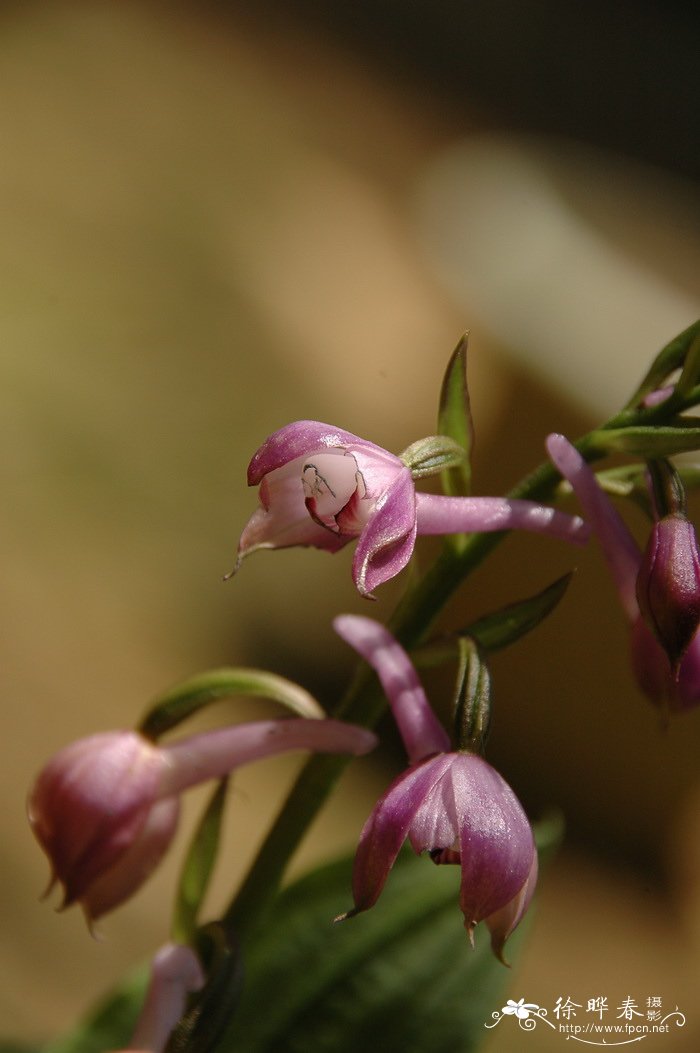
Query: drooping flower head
{"points": [[658, 589], [450, 804], [105, 808], [322, 486]]}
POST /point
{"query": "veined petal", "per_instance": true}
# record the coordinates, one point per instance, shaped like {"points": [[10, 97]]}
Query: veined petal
{"points": [[496, 842], [421, 731], [386, 544], [214, 753], [297, 440], [619, 547], [437, 514], [387, 827]]}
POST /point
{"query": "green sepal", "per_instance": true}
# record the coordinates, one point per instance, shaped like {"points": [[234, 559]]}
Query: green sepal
{"points": [[499, 629], [198, 866], [431, 455], [690, 374], [650, 440], [187, 698], [472, 700], [455, 420], [669, 359]]}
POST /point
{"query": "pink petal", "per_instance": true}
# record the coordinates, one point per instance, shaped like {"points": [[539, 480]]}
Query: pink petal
{"points": [[502, 923], [386, 544], [387, 827], [438, 514], [117, 884], [175, 973], [496, 843], [214, 753], [421, 731], [619, 547], [297, 440]]}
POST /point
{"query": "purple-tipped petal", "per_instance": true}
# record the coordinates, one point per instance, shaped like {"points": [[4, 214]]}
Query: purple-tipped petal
{"points": [[387, 827], [619, 547], [215, 753], [386, 544], [437, 514], [175, 973], [495, 838], [502, 923], [297, 440], [421, 731]]}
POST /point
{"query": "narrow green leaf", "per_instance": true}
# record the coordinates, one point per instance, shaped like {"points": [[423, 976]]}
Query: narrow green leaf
{"points": [[198, 867], [670, 358], [180, 702], [497, 630], [455, 419], [431, 455], [690, 374], [651, 441]]}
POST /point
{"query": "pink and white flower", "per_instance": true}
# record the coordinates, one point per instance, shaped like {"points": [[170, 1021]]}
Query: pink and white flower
{"points": [[322, 486]]}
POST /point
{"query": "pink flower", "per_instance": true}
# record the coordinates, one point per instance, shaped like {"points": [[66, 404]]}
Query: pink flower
{"points": [[452, 805], [664, 579], [175, 973], [322, 486], [105, 808]]}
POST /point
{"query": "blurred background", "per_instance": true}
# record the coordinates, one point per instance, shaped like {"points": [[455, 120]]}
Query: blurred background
{"points": [[220, 218]]}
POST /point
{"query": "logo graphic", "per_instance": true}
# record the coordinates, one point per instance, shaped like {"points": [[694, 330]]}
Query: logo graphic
{"points": [[631, 1024]]}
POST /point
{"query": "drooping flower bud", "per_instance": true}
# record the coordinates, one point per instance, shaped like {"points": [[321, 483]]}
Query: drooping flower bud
{"points": [[668, 582], [105, 808]]}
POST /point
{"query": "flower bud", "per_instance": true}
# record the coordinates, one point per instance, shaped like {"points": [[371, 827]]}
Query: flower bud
{"points": [[668, 584]]}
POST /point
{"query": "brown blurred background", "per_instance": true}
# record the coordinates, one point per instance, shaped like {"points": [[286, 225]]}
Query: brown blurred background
{"points": [[217, 219]]}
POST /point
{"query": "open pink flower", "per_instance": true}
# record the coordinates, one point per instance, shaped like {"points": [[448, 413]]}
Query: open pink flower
{"points": [[665, 576], [452, 805], [322, 486], [105, 808]]}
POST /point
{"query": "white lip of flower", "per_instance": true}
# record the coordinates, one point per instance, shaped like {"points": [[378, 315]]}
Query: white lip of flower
{"points": [[330, 481]]}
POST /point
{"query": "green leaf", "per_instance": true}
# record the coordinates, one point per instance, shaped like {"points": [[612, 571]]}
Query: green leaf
{"points": [[455, 420], [180, 702], [499, 629], [690, 374], [649, 440], [198, 867], [431, 455], [403, 971], [670, 358], [110, 1024]]}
